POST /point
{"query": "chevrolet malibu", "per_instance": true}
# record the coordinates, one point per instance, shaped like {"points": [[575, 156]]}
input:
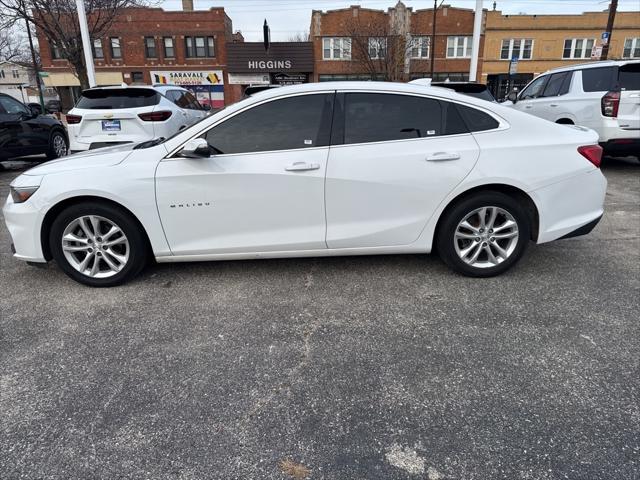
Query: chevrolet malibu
{"points": [[317, 170]]}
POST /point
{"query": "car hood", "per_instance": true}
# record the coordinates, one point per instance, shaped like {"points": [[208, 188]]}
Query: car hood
{"points": [[102, 157]]}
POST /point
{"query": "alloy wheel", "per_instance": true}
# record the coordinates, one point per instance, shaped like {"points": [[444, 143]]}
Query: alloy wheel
{"points": [[95, 246], [486, 237], [59, 146]]}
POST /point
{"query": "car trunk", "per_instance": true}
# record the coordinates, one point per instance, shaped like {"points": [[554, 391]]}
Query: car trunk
{"points": [[629, 108], [110, 116]]}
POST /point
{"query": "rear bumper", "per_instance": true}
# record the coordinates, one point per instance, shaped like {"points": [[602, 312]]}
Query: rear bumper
{"points": [[583, 230], [570, 206], [622, 146]]}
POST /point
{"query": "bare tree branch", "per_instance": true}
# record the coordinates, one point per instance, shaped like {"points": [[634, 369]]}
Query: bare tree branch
{"points": [[58, 20]]}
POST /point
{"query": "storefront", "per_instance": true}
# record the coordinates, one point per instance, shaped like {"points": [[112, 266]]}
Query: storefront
{"points": [[206, 85], [283, 63]]}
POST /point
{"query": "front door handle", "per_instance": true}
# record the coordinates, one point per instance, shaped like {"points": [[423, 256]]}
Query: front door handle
{"points": [[528, 106], [301, 166], [553, 105], [442, 157]]}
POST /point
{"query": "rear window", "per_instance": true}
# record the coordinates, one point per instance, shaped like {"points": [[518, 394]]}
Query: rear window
{"points": [[599, 79], [108, 99], [629, 76]]}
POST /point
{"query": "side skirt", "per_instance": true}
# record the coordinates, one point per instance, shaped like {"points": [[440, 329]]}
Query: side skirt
{"points": [[328, 252]]}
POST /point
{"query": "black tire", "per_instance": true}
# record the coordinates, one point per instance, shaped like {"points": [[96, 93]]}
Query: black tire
{"points": [[56, 135], [445, 237], [138, 250]]}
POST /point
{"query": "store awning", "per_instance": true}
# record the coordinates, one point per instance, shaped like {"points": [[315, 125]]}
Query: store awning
{"points": [[70, 80]]}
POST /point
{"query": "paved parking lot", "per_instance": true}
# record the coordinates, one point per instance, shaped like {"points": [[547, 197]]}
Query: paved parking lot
{"points": [[385, 367]]}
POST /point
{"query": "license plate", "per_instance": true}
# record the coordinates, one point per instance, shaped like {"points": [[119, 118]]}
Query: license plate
{"points": [[110, 125]]}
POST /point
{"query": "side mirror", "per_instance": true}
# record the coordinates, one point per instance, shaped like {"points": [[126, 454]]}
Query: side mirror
{"points": [[35, 111], [206, 107], [513, 95], [195, 148]]}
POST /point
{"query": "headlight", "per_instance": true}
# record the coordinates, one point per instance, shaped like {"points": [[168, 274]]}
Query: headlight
{"points": [[22, 194]]}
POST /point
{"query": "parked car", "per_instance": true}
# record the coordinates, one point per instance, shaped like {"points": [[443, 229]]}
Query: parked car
{"points": [[253, 89], [23, 131], [320, 169], [53, 106], [109, 116], [603, 96], [35, 107], [473, 89]]}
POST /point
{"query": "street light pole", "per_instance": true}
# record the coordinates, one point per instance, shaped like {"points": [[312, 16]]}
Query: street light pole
{"points": [[475, 50], [613, 6], [432, 47], [86, 43], [36, 70]]}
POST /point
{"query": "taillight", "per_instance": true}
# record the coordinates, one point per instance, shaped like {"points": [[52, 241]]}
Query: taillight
{"points": [[593, 153], [73, 119], [610, 103], [155, 116]]}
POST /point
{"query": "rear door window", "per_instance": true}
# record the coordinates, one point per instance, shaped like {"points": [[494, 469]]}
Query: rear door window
{"points": [[629, 76], [601, 79], [380, 117], [111, 99]]}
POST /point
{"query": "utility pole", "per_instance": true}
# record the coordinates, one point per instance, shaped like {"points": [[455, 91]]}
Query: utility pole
{"points": [[36, 70], [432, 47], [613, 6], [86, 43], [475, 49]]}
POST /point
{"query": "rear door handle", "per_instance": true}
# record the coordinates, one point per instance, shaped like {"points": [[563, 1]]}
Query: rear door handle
{"points": [[442, 157], [528, 106], [553, 105], [301, 166]]}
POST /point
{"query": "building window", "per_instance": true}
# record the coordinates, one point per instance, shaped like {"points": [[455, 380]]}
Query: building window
{"points": [[1, 73], [631, 48], [377, 47], [520, 48], [56, 53], [150, 47], [459, 47], [98, 52], [169, 51], [116, 49], [420, 47], [137, 77], [577, 47], [199, 47], [337, 48]]}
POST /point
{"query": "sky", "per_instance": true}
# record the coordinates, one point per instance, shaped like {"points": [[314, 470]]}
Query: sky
{"points": [[286, 18]]}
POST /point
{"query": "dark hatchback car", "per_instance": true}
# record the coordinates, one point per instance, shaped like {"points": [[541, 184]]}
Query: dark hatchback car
{"points": [[23, 131]]}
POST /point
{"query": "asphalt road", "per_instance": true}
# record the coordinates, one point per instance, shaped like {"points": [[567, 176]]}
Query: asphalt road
{"points": [[386, 367]]}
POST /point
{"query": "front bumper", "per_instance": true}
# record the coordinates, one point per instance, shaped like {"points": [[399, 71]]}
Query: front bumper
{"points": [[23, 220]]}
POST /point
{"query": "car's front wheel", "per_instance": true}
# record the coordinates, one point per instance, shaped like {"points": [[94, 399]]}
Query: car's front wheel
{"points": [[484, 235], [98, 244], [57, 145]]}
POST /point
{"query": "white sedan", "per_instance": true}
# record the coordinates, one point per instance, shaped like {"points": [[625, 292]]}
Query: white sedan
{"points": [[316, 170]]}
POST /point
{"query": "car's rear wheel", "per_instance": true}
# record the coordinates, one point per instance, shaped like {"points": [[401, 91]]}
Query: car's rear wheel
{"points": [[98, 244], [58, 146], [483, 235]]}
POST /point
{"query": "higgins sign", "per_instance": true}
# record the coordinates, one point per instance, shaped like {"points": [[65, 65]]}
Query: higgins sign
{"points": [[270, 64], [281, 57]]}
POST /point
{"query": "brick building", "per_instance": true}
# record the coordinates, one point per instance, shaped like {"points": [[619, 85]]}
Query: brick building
{"points": [[542, 42], [349, 43], [151, 45]]}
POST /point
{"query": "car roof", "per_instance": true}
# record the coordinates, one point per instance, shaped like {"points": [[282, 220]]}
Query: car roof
{"points": [[157, 88], [372, 87], [600, 63]]}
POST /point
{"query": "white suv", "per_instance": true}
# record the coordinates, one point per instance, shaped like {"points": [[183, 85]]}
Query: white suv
{"points": [[110, 116], [603, 96]]}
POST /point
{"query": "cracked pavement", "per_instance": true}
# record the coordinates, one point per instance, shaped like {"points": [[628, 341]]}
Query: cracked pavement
{"points": [[387, 367]]}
